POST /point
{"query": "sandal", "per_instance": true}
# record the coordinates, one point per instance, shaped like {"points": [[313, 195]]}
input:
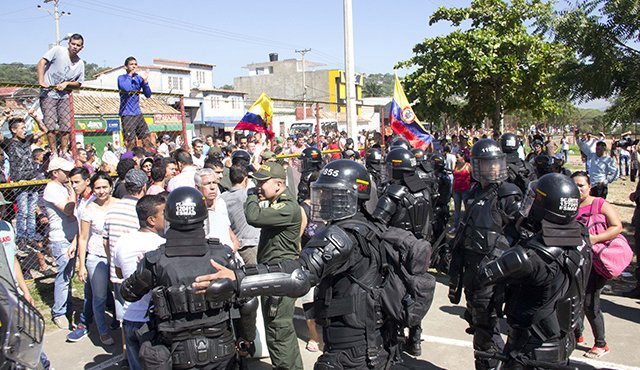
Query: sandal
{"points": [[597, 352], [312, 346]]}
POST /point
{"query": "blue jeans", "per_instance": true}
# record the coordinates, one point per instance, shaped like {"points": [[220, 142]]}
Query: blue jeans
{"points": [[625, 159], [62, 287], [26, 201], [132, 342], [458, 198], [98, 275]]}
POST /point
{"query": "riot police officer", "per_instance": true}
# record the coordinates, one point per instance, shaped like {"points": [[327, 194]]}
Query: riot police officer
{"points": [[519, 172], [398, 141], [543, 165], [190, 331], [406, 204], [342, 261], [487, 229], [546, 276], [310, 165], [443, 199], [374, 163]]}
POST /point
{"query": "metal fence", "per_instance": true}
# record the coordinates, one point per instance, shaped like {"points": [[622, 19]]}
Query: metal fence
{"points": [[90, 117]]}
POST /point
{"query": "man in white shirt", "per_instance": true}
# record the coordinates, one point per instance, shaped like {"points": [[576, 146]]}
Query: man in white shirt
{"points": [[187, 171], [163, 148], [60, 203], [218, 224], [198, 155], [129, 250]]}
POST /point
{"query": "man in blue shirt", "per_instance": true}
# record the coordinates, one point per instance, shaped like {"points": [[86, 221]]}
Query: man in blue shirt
{"points": [[602, 171], [133, 124]]}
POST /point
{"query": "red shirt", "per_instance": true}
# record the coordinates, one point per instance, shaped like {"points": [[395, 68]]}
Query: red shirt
{"points": [[462, 179]]}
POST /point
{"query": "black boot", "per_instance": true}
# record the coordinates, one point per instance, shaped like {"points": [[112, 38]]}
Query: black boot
{"points": [[412, 345]]}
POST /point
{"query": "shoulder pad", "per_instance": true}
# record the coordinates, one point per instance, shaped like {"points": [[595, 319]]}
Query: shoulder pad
{"points": [[507, 189], [154, 256], [332, 234], [549, 253], [396, 191]]}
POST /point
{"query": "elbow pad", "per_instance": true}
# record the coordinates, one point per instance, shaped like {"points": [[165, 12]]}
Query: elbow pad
{"points": [[326, 252], [137, 285], [513, 262]]}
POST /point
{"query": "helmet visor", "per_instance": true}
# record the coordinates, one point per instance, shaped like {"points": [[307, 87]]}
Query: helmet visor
{"points": [[333, 202], [528, 199], [490, 170]]}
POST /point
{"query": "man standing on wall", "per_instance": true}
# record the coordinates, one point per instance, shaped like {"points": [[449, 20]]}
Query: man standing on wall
{"points": [[133, 124], [60, 71]]}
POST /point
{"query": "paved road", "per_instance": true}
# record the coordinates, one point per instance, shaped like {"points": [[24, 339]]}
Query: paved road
{"points": [[445, 346]]}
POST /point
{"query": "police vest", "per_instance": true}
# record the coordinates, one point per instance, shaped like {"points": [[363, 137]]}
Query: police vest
{"points": [[484, 230], [178, 311]]}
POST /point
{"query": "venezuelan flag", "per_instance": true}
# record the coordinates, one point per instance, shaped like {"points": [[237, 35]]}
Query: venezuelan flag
{"points": [[258, 118], [404, 122]]}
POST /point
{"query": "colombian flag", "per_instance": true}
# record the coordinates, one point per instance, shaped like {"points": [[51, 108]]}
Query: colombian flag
{"points": [[404, 121], [258, 118]]}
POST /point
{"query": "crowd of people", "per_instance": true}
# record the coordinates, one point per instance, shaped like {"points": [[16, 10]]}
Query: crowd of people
{"points": [[243, 215]]}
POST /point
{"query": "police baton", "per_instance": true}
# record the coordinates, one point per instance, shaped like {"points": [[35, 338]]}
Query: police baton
{"points": [[522, 360]]}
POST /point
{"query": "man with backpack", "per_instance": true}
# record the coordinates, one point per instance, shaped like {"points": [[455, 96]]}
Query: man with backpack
{"points": [[519, 172], [546, 277], [371, 281], [487, 229], [406, 204]]}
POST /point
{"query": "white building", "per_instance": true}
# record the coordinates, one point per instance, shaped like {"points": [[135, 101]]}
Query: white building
{"points": [[209, 109]]}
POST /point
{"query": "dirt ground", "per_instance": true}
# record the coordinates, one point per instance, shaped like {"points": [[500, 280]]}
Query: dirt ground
{"points": [[619, 197]]}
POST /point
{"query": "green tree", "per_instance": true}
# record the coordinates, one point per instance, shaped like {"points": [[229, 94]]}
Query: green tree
{"points": [[499, 61], [28, 74], [378, 84], [604, 34], [227, 87], [92, 69]]}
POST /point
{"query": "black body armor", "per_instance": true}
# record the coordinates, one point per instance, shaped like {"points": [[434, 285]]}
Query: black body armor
{"points": [[195, 331], [519, 172]]}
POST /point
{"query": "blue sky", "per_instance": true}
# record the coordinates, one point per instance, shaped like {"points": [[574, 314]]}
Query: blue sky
{"points": [[229, 34]]}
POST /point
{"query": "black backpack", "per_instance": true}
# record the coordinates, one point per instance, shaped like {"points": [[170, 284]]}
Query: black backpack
{"points": [[407, 289]]}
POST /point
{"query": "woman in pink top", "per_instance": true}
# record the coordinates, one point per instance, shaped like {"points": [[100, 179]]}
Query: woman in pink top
{"points": [[461, 186], [596, 281]]}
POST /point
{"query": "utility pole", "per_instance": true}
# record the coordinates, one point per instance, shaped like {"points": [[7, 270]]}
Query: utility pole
{"points": [[304, 84], [350, 77], [56, 16]]}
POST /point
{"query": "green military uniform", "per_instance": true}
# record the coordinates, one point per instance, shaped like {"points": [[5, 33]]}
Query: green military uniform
{"points": [[280, 224]]}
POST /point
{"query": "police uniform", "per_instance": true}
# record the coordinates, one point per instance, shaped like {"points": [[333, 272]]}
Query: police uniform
{"points": [[487, 230], [546, 276], [279, 225], [342, 261], [519, 172], [188, 330]]}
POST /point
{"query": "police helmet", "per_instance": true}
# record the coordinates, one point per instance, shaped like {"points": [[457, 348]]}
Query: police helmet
{"points": [[420, 155], [543, 164], [339, 189], [488, 162], [553, 197], [399, 142], [438, 161], [509, 143], [241, 157], [373, 156], [310, 159], [399, 162], [185, 207]]}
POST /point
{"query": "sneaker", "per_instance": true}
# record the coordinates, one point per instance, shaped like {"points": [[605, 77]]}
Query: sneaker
{"points": [[106, 339], [80, 332], [62, 322], [597, 352], [312, 346], [580, 341]]}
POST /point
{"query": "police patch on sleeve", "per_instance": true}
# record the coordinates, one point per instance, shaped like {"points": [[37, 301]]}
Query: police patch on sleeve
{"points": [[278, 206]]}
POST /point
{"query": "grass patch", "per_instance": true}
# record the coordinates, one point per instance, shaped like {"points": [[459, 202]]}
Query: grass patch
{"points": [[41, 290]]}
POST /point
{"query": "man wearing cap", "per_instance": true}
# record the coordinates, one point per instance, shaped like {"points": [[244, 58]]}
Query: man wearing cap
{"points": [[267, 156], [163, 148], [280, 223], [59, 203]]}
